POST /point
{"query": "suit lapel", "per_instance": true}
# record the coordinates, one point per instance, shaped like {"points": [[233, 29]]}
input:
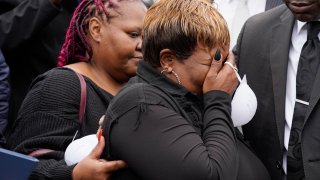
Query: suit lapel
{"points": [[279, 55]]}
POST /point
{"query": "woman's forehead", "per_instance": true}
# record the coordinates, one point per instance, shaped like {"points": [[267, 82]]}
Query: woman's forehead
{"points": [[128, 9]]}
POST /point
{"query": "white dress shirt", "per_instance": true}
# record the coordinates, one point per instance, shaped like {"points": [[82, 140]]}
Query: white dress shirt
{"points": [[227, 8], [298, 38]]}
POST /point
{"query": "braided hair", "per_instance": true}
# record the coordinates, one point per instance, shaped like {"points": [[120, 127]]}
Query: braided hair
{"points": [[76, 47]]}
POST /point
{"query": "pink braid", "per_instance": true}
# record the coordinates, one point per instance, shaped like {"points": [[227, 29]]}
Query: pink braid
{"points": [[76, 45]]}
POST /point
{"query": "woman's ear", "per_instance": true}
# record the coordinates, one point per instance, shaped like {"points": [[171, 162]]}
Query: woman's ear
{"points": [[167, 58], [95, 29]]}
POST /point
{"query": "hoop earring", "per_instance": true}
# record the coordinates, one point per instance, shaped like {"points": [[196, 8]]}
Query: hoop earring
{"points": [[174, 73]]}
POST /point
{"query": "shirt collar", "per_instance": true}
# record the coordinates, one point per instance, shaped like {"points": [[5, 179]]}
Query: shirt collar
{"points": [[301, 24]]}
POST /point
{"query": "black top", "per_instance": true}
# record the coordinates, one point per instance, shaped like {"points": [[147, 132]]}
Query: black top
{"points": [[166, 132], [48, 119]]}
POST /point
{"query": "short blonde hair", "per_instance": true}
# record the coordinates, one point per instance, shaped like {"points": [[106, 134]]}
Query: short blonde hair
{"points": [[180, 25]]}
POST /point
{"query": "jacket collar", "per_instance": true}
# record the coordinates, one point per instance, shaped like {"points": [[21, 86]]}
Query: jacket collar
{"points": [[154, 77]]}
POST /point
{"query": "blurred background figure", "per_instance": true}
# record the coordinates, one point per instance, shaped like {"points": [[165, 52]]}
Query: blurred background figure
{"points": [[31, 35], [4, 96], [236, 12]]}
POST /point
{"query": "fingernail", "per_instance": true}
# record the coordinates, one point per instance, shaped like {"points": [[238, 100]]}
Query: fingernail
{"points": [[100, 134], [217, 56]]}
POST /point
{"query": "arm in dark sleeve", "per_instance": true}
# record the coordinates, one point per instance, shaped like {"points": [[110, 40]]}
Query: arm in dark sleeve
{"points": [[22, 22], [158, 143], [4, 96], [48, 119]]}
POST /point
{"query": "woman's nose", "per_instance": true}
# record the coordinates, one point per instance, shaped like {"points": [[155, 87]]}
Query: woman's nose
{"points": [[139, 45]]}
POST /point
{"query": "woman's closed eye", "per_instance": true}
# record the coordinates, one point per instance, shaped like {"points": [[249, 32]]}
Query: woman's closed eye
{"points": [[134, 34], [206, 62]]}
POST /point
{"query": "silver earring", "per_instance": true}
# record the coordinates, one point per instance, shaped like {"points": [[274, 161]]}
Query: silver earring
{"points": [[174, 73], [165, 69]]}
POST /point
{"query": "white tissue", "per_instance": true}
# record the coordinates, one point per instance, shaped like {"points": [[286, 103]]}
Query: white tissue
{"points": [[244, 104], [79, 149]]}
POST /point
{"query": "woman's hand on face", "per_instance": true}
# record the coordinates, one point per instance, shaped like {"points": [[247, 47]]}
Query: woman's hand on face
{"points": [[92, 167], [221, 76]]}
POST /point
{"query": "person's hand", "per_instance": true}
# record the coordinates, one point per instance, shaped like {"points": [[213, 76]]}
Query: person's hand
{"points": [[221, 76], [100, 130], [56, 2], [92, 167]]}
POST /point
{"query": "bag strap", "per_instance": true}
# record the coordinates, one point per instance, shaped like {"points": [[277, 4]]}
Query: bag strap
{"points": [[82, 109], [40, 152], [83, 100]]}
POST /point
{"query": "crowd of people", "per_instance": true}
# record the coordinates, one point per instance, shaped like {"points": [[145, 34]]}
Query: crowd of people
{"points": [[154, 81]]}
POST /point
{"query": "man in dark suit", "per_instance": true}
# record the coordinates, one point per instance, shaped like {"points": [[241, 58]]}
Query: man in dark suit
{"points": [[268, 51]]}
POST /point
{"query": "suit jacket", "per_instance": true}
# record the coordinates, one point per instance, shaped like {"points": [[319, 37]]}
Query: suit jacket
{"points": [[262, 53]]}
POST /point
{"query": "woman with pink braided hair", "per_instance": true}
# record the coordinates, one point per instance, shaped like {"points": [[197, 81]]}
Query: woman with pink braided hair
{"points": [[103, 44]]}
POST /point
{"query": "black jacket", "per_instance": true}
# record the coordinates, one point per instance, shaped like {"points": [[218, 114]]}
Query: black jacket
{"points": [[164, 131], [31, 35]]}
